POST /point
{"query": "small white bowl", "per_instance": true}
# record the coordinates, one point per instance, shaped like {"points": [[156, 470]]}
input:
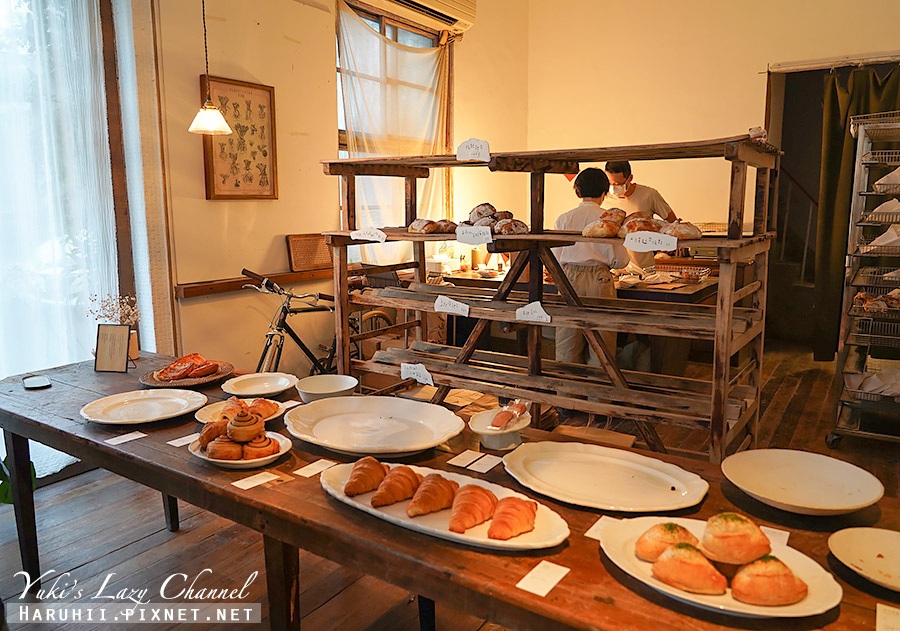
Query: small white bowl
{"points": [[326, 386], [498, 440]]}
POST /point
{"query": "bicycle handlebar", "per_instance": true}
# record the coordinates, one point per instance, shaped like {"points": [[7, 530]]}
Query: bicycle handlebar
{"points": [[271, 286]]}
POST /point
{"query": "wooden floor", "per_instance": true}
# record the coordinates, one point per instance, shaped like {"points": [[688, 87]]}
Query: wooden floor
{"points": [[97, 524]]}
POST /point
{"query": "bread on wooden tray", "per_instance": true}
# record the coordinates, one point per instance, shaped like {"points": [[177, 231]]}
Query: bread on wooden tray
{"points": [[513, 516], [481, 211], [510, 226], [682, 230], [768, 582], [733, 539], [445, 226], [638, 225], [260, 447], [485, 221], [659, 537], [472, 505], [613, 214], [399, 484], [366, 475], [435, 493], [223, 448], [502, 214], [602, 228], [423, 226], [683, 566]]}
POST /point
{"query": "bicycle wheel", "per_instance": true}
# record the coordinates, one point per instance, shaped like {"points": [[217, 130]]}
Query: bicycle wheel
{"points": [[372, 321]]}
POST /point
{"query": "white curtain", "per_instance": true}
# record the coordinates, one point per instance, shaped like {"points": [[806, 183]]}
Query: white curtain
{"points": [[395, 103], [57, 232]]}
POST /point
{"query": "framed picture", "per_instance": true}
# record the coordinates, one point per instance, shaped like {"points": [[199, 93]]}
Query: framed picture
{"points": [[241, 165], [112, 348]]}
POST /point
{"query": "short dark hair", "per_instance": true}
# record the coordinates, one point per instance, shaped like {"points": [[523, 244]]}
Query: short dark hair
{"points": [[591, 183], [621, 166]]}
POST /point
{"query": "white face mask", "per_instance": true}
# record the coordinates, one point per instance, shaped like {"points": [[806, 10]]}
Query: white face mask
{"points": [[619, 189]]}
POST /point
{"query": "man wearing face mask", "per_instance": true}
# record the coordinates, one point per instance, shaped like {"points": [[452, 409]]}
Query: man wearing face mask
{"points": [[636, 198]]}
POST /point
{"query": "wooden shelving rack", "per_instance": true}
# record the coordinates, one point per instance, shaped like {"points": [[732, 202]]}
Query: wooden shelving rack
{"points": [[727, 406]]}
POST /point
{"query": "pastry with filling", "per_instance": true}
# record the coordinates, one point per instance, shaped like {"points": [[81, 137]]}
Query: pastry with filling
{"points": [[733, 539], [223, 448], [768, 582], [260, 447], [655, 540], [245, 427], [683, 566]]}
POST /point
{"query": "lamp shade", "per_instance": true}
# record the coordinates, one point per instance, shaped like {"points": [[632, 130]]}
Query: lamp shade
{"points": [[209, 121]]}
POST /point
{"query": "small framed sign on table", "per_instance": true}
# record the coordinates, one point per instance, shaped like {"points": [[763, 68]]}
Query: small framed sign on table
{"points": [[241, 165], [112, 348]]}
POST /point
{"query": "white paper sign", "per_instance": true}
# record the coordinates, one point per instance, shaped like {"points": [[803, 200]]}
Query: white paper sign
{"points": [[474, 149], [887, 618], [594, 531], [542, 578], [184, 440], [255, 480], [417, 372], [124, 438], [465, 458], [646, 241], [368, 234], [474, 235], [442, 304], [317, 467], [776, 536], [485, 463], [532, 312]]}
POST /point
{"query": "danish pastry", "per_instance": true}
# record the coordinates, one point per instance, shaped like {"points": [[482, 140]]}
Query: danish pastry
{"points": [[211, 431], [263, 408], [245, 427], [260, 447], [223, 448]]}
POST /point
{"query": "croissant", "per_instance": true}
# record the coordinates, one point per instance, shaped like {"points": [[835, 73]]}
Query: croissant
{"points": [[211, 431], [232, 408], [472, 505], [399, 484], [435, 493], [366, 475], [263, 408], [513, 516]]}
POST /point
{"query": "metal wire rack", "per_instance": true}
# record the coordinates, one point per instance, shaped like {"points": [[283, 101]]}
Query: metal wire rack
{"points": [[887, 157], [875, 277], [867, 332], [880, 126], [865, 249]]}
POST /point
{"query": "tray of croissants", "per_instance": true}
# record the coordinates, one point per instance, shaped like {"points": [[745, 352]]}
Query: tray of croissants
{"points": [[446, 505], [190, 370], [237, 438], [615, 223], [725, 564]]}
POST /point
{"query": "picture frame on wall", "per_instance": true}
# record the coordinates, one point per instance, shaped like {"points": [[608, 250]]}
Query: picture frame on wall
{"points": [[241, 165]]}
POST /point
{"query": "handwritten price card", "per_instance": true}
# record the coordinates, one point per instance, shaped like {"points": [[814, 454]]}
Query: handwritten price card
{"points": [[442, 304], [532, 312], [368, 234], [474, 149], [417, 372], [474, 235], [645, 241]]}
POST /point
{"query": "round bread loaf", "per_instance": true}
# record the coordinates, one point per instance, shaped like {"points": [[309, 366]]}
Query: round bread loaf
{"points": [[510, 226], [613, 214], [732, 538], [682, 230], [485, 221], [481, 211], [445, 226], [640, 225], [423, 226], [768, 582], [502, 214], [601, 228]]}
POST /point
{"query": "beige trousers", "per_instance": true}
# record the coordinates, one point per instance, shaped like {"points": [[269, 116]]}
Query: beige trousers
{"points": [[588, 280]]}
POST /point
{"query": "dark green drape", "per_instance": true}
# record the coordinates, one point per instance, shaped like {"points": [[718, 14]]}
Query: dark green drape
{"points": [[865, 93]]}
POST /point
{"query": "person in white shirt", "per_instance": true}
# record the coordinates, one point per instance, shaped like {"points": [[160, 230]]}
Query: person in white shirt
{"points": [[587, 265], [636, 198]]}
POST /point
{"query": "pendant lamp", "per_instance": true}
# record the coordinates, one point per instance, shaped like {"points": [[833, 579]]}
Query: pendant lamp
{"points": [[209, 119]]}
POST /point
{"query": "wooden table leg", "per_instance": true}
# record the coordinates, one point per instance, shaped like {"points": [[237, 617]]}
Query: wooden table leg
{"points": [[170, 505], [23, 502], [426, 614], [282, 584]]}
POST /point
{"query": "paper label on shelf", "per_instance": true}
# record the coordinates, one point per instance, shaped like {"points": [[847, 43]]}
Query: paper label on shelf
{"points": [[124, 438], [465, 458], [255, 480], [184, 440], [542, 578], [474, 235], [474, 149], [417, 372], [485, 463], [646, 241], [775, 535], [368, 234], [532, 312], [594, 531], [442, 304], [887, 618], [317, 467]]}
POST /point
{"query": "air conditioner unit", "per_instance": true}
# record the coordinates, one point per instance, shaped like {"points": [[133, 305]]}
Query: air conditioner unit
{"points": [[455, 16]]}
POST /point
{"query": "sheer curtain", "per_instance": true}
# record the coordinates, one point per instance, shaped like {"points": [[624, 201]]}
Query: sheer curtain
{"points": [[57, 232], [395, 102]]}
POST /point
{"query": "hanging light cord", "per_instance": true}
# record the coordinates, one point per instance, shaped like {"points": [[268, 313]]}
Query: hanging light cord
{"points": [[205, 51]]}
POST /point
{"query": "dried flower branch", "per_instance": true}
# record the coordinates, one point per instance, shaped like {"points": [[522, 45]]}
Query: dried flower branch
{"points": [[119, 309]]}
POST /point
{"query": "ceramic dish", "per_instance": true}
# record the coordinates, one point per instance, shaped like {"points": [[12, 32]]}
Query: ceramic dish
{"points": [[502, 439], [373, 425], [283, 441], [142, 406], [604, 477], [873, 553], [259, 384], [324, 386], [209, 412], [549, 528], [149, 379], [619, 537], [802, 482]]}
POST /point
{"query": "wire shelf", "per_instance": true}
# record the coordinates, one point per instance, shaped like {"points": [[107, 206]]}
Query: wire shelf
{"points": [[861, 395], [865, 249], [867, 332], [888, 157], [872, 218], [875, 277], [873, 194], [886, 189], [887, 314], [688, 273], [880, 126]]}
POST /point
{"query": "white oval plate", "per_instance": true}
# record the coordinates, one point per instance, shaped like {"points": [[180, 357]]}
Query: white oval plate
{"points": [[373, 425], [873, 553], [619, 537], [259, 384], [142, 406], [283, 441], [549, 528], [209, 412], [604, 477], [802, 482], [481, 423]]}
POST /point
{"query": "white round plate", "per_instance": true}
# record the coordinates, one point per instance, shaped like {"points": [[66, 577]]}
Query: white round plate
{"points": [[283, 441], [873, 553], [604, 477], [373, 425], [259, 384], [142, 406], [209, 412], [619, 537], [549, 528], [802, 482]]}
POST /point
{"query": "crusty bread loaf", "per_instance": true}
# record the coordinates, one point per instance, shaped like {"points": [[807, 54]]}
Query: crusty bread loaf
{"points": [[423, 226], [732, 538], [769, 582], [639, 225], [601, 228], [510, 226], [682, 230], [445, 226], [657, 538], [684, 567], [502, 214], [613, 214], [485, 221], [481, 211]]}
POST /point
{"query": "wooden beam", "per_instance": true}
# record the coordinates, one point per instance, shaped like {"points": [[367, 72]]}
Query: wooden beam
{"points": [[761, 201], [533, 165], [537, 204], [394, 328], [341, 311], [390, 170], [210, 287], [721, 361], [348, 202], [411, 205], [736, 199], [746, 290], [751, 153]]}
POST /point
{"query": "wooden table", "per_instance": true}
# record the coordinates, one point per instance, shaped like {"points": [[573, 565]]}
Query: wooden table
{"points": [[294, 512]]}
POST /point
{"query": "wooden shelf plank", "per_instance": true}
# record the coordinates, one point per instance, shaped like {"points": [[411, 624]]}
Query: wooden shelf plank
{"points": [[210, 287]]}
